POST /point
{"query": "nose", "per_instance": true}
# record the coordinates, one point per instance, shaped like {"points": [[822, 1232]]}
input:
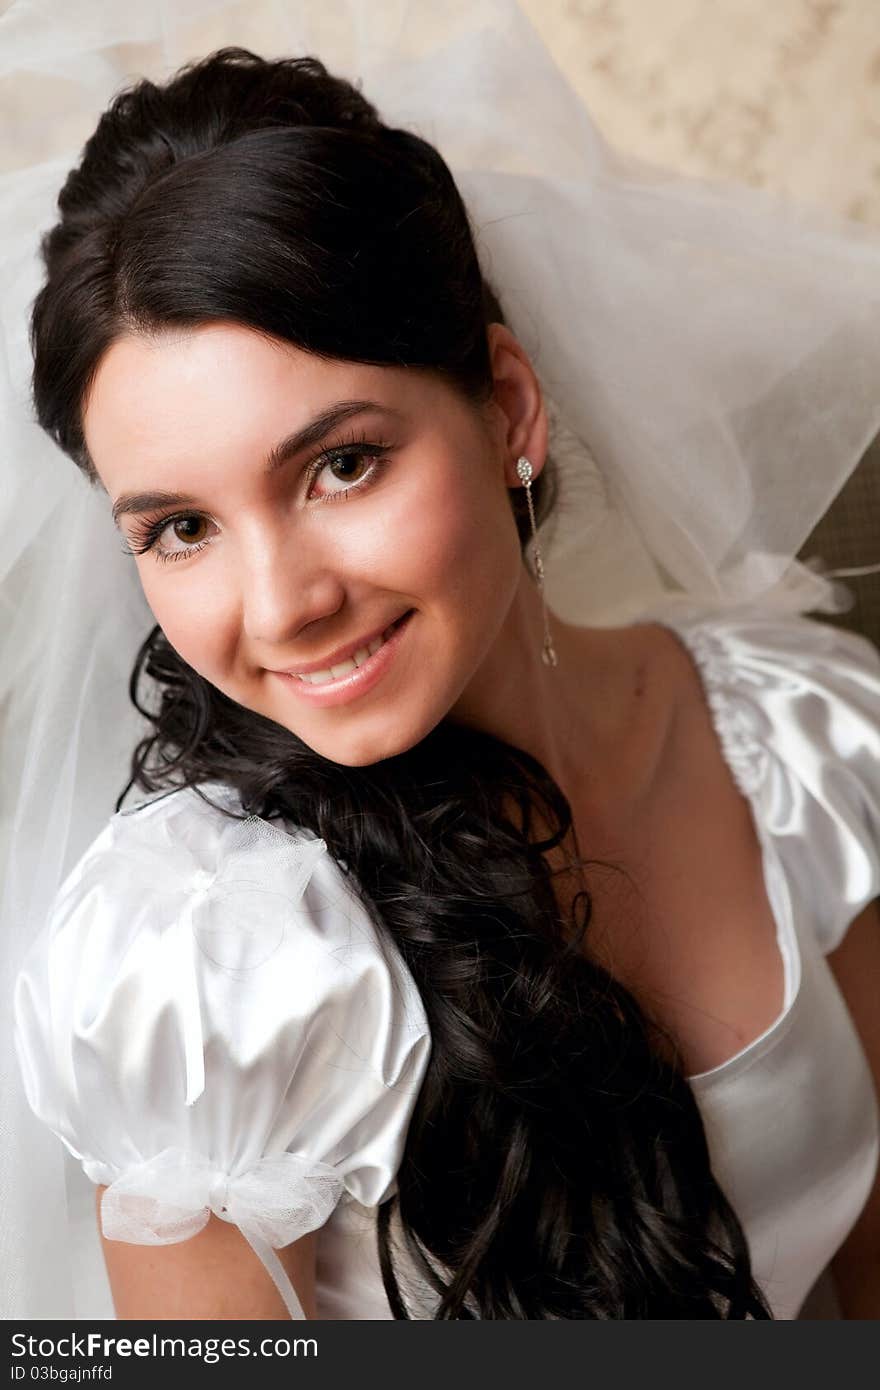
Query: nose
{"points": [[282, 593]]}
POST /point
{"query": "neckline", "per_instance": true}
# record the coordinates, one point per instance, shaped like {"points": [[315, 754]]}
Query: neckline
{"points": [[745, 764]]}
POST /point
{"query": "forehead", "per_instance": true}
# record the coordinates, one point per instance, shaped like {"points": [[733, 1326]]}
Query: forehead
{"points": [[217, 392]]}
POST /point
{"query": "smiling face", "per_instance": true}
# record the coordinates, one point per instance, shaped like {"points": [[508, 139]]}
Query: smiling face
{"points": [[395, 503]]}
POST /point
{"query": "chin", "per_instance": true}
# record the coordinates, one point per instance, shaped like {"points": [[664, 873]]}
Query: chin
{"points": [[367, 752], [370, 746]]}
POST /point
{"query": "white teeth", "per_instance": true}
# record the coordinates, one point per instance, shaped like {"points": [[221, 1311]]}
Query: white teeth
{"points": [[344, 667]]}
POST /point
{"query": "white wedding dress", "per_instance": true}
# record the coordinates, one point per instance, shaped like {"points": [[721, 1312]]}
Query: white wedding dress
{"points": [[210, 1021]]}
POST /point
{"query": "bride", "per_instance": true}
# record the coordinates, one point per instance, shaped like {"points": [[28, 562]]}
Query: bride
{"points": [[462, 960]]}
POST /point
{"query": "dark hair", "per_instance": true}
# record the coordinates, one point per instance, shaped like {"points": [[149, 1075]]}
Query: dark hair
{"points": [[556, 1165]]}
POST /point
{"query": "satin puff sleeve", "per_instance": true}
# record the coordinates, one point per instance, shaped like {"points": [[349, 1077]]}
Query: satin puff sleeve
{"points": [[796, 703], [211, 1022]]}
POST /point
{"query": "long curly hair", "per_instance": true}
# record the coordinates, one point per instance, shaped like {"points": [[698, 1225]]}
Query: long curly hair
{"points": [[556, 1165]]}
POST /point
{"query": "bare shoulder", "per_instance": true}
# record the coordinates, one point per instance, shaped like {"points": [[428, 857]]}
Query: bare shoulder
{"points": [[659, 692], [698, 945], [652, 718], [675, 698], [663, 657]]}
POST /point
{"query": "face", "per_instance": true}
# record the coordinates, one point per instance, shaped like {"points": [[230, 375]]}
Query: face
{"points": [[392, 505]]}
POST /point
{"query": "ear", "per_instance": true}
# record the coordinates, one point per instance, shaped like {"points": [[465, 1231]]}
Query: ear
{"points": [[520, 416]]}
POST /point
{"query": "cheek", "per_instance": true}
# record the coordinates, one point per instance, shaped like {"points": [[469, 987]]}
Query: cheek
{"points": [[455, 538], [192, 612]]}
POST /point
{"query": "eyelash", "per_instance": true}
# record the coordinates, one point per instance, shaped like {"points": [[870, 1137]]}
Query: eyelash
{"points": [[144, 537]]}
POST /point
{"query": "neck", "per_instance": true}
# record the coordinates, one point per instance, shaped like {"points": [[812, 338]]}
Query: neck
{"points": [[569, 717]]}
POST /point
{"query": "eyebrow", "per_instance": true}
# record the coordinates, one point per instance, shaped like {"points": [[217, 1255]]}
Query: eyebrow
{"points": [[281, 453]]}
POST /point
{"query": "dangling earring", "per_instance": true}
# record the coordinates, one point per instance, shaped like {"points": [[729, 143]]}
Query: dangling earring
{"points": [[524, 470]]}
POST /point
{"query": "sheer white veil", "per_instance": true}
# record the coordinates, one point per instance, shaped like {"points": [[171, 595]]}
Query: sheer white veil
{"points": [[711, 355]]}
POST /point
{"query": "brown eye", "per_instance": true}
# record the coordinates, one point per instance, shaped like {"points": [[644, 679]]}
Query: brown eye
{"points": [[174, 538], [350, 470], [189, 529], [181, 537], [348, 463]]}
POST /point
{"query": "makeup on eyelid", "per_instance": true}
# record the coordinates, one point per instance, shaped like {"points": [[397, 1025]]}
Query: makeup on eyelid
{"points": [[143, 538]]}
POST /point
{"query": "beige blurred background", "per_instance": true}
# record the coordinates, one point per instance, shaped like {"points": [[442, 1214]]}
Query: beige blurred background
{"points": [[784, 96]]}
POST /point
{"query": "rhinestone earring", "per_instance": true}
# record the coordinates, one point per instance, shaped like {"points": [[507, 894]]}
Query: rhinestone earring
{"points": [[524, 471]]}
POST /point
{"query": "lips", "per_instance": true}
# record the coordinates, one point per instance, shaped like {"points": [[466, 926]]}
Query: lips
{"points": [[356, 680], [360, 649], [344, 666], [348, 658]]}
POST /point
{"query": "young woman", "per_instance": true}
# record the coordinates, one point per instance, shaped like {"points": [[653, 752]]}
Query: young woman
{"points": [[463, 962]]}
